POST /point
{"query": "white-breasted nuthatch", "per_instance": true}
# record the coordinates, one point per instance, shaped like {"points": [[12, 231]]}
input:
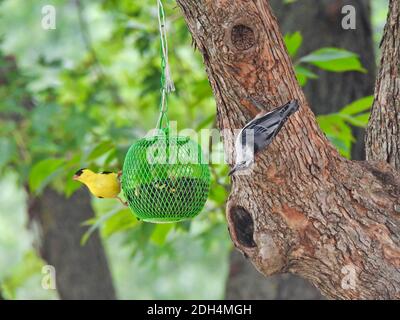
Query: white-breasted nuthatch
{"points": [[259, 133]]}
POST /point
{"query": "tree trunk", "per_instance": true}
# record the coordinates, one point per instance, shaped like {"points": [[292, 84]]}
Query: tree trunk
{"points": [[320, 25], [245, 283], [81, 271], [383, 139], [303, 209]]}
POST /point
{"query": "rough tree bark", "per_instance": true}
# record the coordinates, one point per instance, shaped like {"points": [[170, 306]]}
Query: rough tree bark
{"points": [[382, 141], [320, 24], [303, 209], [82, 272]]}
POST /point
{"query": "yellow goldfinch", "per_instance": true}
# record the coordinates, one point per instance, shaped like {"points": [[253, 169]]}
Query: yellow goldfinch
{"points": [[102, 185]]}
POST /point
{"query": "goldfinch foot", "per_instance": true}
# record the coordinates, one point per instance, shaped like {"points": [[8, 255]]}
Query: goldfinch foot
{"points": [[122, 201]]}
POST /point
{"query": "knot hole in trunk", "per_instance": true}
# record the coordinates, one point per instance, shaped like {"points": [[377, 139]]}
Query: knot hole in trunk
{"points": [[242, 37], [243, 226]]}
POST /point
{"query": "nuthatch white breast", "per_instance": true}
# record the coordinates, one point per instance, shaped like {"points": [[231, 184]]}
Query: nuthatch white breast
{"points": [[259, 133]]}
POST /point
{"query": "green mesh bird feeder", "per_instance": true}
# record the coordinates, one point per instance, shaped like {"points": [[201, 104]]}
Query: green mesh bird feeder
{"points": [[164, 178]]}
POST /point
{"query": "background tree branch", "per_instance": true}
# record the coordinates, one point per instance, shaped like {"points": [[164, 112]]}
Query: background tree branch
{"points": [[82, 271]]}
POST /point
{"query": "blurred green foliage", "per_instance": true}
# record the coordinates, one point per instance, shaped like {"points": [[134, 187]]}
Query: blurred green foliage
{"points": [[80, 95], [65, 109], [329, 59], [336, 126], [29, 266]]}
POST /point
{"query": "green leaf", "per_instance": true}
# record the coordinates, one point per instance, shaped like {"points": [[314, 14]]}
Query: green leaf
{"points": [[342, 145], [121, 221], [358, 106], [161, 232], [218, 193], [111, 157], [306, 72], [301, 79], [342, 65], [293, 42], [335, 60], [184, 225], [338, 132], [357, 121], [303, 74], [43, 172], [97, 224], [327, 54], [363, 119], [101, 149], [71, 185]]}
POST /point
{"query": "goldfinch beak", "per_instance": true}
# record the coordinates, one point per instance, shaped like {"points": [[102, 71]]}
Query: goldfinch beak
{"points": [[75, 177]]}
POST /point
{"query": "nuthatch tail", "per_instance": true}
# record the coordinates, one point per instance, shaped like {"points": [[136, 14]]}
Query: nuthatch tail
{"points": [[259, 133]]}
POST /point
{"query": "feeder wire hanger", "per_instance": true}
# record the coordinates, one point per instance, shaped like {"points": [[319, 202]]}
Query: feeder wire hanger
{"points": [[165, 191], [167, 84]]}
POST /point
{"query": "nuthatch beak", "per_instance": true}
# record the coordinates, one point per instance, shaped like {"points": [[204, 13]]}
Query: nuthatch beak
{"points": [[232, 171]]}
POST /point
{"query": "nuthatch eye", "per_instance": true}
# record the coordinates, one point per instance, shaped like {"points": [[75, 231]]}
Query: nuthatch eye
{"points": [[260, 132]]}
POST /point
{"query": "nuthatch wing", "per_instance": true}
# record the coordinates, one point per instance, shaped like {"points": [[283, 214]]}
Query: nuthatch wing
{"points": [[259, 133]]}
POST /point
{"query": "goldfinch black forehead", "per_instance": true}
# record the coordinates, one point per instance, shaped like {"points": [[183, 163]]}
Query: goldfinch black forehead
{"points": [[79, 172]]}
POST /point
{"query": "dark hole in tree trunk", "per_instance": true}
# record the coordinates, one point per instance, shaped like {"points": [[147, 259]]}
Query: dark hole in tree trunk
{"points": [[242, 37], [243, 226]]}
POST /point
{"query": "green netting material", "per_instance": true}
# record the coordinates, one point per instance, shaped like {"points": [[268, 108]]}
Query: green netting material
{"points": [[164, 178]]}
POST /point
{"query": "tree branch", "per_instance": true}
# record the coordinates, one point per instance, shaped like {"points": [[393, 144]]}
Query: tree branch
{"points": [[304, 209], [383, 133]]}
